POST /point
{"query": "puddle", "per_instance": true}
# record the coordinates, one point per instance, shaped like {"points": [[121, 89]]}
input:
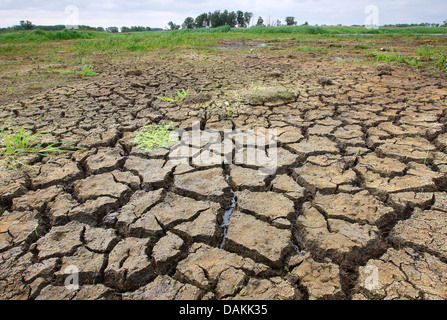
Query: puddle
{"points": [[227, 214], [227, 45], [297, 249], [352, 59]]}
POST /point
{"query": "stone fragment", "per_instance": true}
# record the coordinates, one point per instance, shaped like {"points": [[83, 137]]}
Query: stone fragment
{"points": [[267, 206], [385, 166], [244, 178], [129, 266], [403, 200], [314, 145], [99, 239], [138, 205], [60, 171], [176, 209], [166, 252], [102, 185], [204, 266], [201, 229], [12, 184], [36, 200], [424, 230], [128, 178], [268, 289], [203, 185], [92, 211], [359, 207], [18, 228], [59, 208], [336, 239], [94, 292], [89, 266], [165, 288], [402, 275], [288, 186], [106, 159], [321, 279], [61, 241], [324, 179], [257, 239], [13, 265], [152, 173]]}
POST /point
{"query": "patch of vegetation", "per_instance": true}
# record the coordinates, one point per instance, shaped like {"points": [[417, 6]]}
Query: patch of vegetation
{"points": [[312, 49], [179, 95], [87, 71], [18, 143], [151, 136]]}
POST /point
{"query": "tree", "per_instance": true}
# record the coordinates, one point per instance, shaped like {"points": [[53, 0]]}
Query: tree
{"points": [[290, 21], [188, 23], [201, 21], [232, 19], [26, 25], [260, 22], [240, 19], [215, 19], [173, 26], [125, 29], [247, 18], [100, 29], [112, 29], [223, 18]]}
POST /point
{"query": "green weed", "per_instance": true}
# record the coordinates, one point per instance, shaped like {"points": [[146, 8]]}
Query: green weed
{"points": [[87, 71], [18, 143], [179, 95], [151, 136]]}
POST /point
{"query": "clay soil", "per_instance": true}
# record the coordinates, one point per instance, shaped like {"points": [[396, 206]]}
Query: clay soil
{"points": [[356, 208]]}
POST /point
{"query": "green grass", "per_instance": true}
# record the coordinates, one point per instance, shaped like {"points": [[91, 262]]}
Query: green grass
{"points": [[18, 143], [87, 71], [43, 36], [306, 48], [179, 95], [151, 136]]}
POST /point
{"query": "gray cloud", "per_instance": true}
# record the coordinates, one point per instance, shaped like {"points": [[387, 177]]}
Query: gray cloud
{"points": [[158, 13]]}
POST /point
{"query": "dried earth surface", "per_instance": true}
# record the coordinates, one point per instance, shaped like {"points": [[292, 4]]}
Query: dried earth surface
{"points": [[359, 189]]}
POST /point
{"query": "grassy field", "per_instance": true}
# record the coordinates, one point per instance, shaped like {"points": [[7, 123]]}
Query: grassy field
{"points": [[35, 60]]}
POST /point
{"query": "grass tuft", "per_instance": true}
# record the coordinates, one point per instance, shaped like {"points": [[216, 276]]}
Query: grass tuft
{"points": [[151, 136], [19, 143]]}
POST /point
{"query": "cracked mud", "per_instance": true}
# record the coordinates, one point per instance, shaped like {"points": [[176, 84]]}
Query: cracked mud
{"points": [[360, 186]]}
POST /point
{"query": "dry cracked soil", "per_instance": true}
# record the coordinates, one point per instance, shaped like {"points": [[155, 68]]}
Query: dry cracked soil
{"points": [[356, 207]]}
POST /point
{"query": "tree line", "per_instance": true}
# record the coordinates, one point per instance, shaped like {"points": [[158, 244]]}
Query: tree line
{"points": [[28, 25], [215, 19]]}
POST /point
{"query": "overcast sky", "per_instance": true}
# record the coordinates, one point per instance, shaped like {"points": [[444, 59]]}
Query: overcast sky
{"points": [[157, 13]]}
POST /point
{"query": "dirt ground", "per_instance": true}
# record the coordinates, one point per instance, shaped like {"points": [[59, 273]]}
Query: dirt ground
{"points": [[356, 207]]}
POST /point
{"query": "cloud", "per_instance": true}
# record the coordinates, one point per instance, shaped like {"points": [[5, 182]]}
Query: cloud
{"points": [[156, 13]]}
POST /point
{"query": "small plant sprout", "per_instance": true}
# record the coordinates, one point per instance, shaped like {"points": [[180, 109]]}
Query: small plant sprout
{"points": [[426, 156], [87, 70], [18, 143], [179, 95], [151, 136], [229, 112]]}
